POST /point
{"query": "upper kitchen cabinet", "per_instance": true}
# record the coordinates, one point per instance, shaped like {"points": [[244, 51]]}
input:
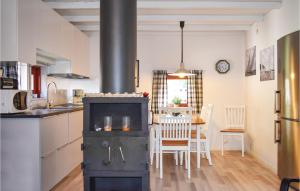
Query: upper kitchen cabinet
{"points": [[80, 60], [30, 25]]}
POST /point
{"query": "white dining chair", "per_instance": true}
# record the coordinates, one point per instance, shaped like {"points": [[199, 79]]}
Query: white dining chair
{"points": [[234, 125], [175, 135], [154, 144], [203, 144]]}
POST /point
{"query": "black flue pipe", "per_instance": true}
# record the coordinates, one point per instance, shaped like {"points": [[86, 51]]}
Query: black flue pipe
{"points": [[118, 34]]}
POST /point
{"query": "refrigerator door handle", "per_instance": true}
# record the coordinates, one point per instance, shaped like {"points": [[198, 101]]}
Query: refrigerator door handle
{"points": [[277, 104], [277, 134]]}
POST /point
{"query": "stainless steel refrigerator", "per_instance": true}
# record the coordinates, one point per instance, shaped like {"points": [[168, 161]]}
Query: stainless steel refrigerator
{"points": [[287, 105]]}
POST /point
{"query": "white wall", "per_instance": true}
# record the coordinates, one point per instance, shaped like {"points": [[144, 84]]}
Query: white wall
{"points": [[202, 50], [260, 95], [91, 85]]}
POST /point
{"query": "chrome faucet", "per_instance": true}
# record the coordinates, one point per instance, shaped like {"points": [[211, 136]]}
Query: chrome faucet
{"points": [[48, 101]]}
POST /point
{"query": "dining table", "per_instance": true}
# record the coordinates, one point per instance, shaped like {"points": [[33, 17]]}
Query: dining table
{"points": [[197, 125]]}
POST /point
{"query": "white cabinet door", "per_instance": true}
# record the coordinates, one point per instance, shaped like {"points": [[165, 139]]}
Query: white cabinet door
{"points": [[63, 162], [75, 125], [75, 153], [54, 133], [80, 59], [27, 28], [67, 40], [49, 171]]}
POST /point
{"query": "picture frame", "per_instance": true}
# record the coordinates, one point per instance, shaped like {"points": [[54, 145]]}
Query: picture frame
{"points": [[137, 73], [250, 61], [267, 68]]}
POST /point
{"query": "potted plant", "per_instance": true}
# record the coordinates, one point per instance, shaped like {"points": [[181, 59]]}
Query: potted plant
{"points": [[176, 101]]}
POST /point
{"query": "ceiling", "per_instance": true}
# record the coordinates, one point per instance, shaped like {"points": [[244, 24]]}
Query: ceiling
{"points": [[164, 15]]}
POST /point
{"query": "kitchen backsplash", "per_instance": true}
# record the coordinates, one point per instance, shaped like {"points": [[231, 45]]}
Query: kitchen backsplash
{"points": [[89, 85]]}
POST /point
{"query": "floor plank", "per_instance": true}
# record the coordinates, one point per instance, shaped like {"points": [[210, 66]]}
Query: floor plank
{"points": [[230, 172]]}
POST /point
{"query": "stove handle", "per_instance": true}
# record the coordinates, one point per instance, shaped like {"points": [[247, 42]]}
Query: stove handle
{"points": [[277, 133], [121, 152], [108, 162]]}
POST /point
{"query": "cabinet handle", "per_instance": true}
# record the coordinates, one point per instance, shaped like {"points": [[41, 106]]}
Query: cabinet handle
{"points": [[277, 104], [59, 148], [47, 154], [277, 133]]}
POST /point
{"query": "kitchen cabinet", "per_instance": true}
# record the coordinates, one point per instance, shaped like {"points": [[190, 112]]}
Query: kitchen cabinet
{"points": [[80, 61], [40, 152], [49, 171], [54, 133], [30, 25], [63, 164], [75, 125], [63, 132]]}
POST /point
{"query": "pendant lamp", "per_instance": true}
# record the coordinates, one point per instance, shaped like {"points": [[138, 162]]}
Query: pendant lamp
{"points": [[182, 72]]}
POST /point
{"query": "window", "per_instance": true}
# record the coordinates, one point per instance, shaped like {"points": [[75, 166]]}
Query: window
{"points": [[177, 87], [36, 81]]}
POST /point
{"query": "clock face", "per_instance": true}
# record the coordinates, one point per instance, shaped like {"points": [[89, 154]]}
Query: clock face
{"points": [[222, 66]]}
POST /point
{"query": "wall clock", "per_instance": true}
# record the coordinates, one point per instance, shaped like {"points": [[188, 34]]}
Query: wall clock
{"points": [[222, 66]]}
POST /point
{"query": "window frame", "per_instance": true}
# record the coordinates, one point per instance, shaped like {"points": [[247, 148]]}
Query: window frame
{"points": [[170, 77]]}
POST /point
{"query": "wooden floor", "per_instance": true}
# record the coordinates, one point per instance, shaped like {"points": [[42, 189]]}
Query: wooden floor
{"points": [[229, 173]]}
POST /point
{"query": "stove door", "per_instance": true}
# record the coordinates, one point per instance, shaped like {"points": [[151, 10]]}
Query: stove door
{"points": [[116, 153]]}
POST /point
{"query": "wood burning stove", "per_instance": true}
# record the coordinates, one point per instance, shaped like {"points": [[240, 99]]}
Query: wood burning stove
{"points": [[115, 158]]}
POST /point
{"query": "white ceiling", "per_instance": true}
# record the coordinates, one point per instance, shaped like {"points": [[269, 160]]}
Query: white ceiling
{"points": [[164, 15]]}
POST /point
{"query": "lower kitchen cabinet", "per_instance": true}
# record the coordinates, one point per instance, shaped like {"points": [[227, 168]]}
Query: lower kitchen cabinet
{"points": [[60, 163], [75, 155], [49, 171], [43, 155]]}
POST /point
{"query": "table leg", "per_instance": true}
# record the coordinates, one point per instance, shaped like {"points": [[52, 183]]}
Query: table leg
{"points": [[156, 148], [198, 147]]}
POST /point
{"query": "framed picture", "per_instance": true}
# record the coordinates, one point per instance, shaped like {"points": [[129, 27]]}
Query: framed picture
{"points": [[137, 73], [267, 71], [250, 61]]}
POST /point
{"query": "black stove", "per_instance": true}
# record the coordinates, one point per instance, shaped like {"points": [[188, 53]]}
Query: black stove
{"points": [[115, 157]]}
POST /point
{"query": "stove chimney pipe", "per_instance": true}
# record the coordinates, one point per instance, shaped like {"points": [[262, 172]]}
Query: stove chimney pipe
{"points": [[118, 33]]}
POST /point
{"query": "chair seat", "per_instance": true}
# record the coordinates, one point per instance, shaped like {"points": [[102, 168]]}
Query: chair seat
{"points": [[194, 135], [174, 143], [233, 131]]}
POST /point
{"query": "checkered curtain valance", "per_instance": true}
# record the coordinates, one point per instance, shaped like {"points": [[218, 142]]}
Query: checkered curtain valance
{"points": [[159, 90], [195, 91]]}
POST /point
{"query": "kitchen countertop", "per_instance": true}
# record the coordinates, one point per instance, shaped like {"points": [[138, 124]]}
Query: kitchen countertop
{"points": [[40, 113]]}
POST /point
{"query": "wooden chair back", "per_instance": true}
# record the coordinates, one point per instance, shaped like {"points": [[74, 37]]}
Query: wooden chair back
{"points": [[235, 117], [175, 128]]}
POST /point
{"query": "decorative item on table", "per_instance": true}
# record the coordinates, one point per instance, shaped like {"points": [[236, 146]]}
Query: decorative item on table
{"points": [[176, 101], [107, 123], [126, 123], [176, 114]]}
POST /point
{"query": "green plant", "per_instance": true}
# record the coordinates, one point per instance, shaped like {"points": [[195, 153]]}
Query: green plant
{"points": [[176, 100]]}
